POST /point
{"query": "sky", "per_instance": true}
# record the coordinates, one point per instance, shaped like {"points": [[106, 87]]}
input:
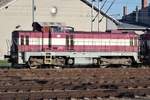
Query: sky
{"points": [[116, 10]]}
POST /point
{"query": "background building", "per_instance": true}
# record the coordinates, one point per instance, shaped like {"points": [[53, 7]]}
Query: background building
{"points": [[137, 21], [139, 16]]}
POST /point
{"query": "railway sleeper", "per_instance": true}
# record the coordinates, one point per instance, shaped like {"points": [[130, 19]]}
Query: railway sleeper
{"points": [[78, 94]]}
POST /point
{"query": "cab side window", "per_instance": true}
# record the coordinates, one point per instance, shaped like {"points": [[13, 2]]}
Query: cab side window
{"points": [[27, 40], [22, 40]]}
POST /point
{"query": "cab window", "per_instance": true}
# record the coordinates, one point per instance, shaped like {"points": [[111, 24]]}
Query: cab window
{"points": [[22, 40], [56, 29], [27, 40]]}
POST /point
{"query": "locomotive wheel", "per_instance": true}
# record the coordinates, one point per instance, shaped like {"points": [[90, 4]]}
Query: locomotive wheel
{"points": [[70, 61], [60, 61], [32, 65], [95, 61], [124, 66], [34, 62], [103, 66]]}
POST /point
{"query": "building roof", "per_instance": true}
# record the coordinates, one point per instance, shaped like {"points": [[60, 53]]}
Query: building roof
{"points": [[127, 26], [102, 13], [5, 3], [121, 25], [142, 15]]}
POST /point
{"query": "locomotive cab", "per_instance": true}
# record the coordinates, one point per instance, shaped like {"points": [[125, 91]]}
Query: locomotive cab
{"points": [[145, 48], [43, 39], [12, 58]]}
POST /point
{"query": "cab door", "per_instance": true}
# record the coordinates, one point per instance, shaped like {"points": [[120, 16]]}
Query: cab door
{"points": [[70, 42]]}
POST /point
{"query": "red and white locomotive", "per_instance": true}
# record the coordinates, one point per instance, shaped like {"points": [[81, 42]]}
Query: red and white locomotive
{"points": [[57, 45]]}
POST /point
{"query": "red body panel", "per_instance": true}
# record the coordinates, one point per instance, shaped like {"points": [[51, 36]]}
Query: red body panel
{"points": [[57, 38], [104, 35]]}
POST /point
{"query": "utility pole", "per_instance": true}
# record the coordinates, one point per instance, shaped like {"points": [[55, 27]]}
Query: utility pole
{"points": [[98, 13], [92, 15], [33, 9], [99, 9]]}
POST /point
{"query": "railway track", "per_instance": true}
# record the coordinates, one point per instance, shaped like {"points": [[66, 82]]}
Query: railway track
{"points": [[73, 84], [68, 94]]}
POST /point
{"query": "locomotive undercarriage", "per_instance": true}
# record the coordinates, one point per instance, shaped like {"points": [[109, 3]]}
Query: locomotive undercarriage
{"points": [[37, 62], [61, 61], [116, 61], [73, 59]]}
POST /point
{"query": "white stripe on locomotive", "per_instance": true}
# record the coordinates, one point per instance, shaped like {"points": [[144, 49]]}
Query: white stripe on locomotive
{"points": [[82, 41]]}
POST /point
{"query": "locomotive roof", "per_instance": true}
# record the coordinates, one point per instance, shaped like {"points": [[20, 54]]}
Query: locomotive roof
{"points": [[112, 32], [81, 32]]}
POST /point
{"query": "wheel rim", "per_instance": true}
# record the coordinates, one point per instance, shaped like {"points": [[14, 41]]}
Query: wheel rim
{"points": [[31, 65], [70, 61], [95, 61]]}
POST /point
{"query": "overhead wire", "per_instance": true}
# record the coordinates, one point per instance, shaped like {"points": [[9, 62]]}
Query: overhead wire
{"points": [[107, 10], [99, 10]]}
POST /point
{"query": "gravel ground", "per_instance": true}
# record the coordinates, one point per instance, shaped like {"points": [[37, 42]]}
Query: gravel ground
{"points": [[112, 98]]}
